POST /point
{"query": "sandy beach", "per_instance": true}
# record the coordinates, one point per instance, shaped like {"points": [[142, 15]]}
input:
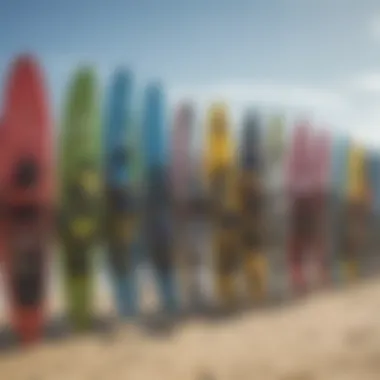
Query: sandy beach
{"points": [[333, 335]]}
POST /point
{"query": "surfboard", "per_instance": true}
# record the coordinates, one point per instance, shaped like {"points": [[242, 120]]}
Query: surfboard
{"points": [[319, 263], [120, 206], [180, 165], [371, 262], [301, 206], [274, 154], [339, 171], [2, 167], [158, 227], [27, 195], [356, 213], [252, 211], [222, 191], [274, 140], [81, 193], [200, 223]]}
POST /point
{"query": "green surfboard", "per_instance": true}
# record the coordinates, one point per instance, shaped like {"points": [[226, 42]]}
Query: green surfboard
{"points": [[80, 187]]}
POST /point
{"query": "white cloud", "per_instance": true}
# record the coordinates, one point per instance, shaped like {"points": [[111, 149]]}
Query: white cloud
{"points": [[367, 135], [324, 107], [352, 108], [291, 100], [374, 26], [368, 82], [363, 124]]}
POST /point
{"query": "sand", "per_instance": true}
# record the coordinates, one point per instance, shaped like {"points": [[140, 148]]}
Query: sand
{"points": [[334, 335]]}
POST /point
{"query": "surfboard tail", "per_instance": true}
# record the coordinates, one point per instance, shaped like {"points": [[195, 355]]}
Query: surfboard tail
{"points": [[126, 293], [295, 259], [256, 266], [226, 290], [29, 323], [167, 288], [79, 302], [350, 270]]}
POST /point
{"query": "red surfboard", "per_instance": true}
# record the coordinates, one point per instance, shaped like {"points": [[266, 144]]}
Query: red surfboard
{"points": [[27, 179], [2, 164]]}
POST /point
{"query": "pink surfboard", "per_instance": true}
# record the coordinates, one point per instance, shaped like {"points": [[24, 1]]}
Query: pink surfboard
{"points": [[299, 182]]}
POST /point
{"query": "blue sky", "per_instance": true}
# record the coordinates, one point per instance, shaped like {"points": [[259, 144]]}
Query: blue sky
{"points": [[315, 56]]}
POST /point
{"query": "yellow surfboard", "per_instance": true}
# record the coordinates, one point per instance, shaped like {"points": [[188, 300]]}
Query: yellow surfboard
{"points": [[221, 186], [357, 211]]}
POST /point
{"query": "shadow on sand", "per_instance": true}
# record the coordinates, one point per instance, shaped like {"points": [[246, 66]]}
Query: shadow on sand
{"points": [[163, 325]]}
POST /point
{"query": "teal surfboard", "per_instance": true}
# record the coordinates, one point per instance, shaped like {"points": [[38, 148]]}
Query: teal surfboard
{"points": [[158, 226], [120, 205]]}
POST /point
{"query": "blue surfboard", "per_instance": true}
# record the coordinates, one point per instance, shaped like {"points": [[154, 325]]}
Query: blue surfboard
{"points": [[120, 207], [157, 211]]}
